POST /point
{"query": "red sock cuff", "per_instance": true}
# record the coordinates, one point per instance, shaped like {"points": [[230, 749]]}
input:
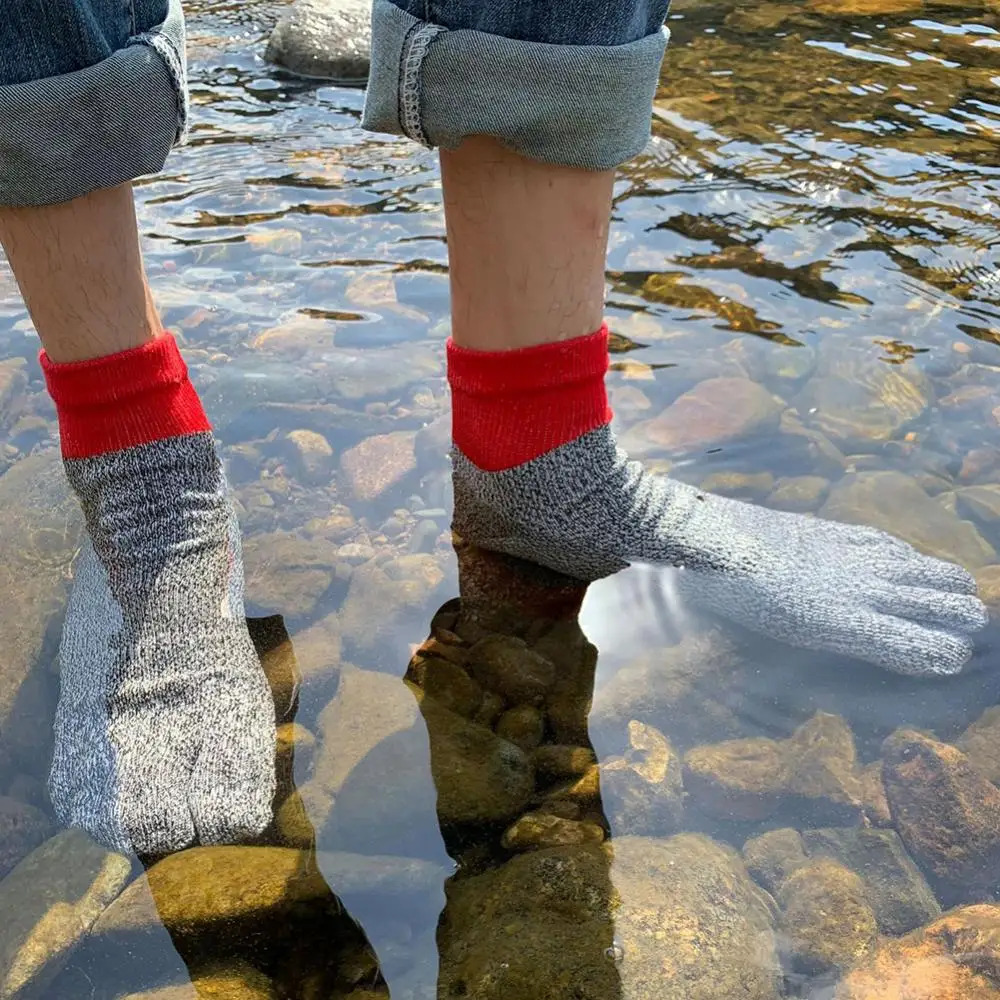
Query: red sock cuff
{"points": [[124, 400], [509, 407]]}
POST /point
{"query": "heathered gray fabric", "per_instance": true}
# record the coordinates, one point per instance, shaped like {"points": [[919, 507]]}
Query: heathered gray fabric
{"points": [[165, 729], [585, 510]]}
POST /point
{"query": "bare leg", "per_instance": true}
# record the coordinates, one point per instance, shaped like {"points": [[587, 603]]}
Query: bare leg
{"points": [[79, 268], [527, 243]]}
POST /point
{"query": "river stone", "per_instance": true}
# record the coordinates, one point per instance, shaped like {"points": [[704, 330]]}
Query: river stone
{"points": [[739, 485], [896, 890], [954, 958], [643, 791], [876, 805], [826, 924], [535, 831], [981, 744], [800, 494], [277, 657], [895, 503], [714, 412], [49, 903], [866, 407], [294, 750], [288, 573], [325, 39], [773, 856], [40, 529], [523, 726], [553, 761], [981, 504], [988, 584], [193, 890], [947, 813], [641, 918], [506, 665], [22, 829], [310, 455], [378, 464], [233, 982]]}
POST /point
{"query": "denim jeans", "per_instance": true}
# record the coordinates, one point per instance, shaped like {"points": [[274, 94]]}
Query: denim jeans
{"points": [[564, 81], [93, 92]]}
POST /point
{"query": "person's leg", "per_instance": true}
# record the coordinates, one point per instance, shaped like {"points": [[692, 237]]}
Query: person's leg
{"points": [[537, 471], [165, 725]]}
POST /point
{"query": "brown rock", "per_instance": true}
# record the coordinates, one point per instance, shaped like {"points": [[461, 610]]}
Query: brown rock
{"points": [[274, 647], [981, 744], [537, 830], [378, 463], [317, 651], [947, 813], [294, 752], [22, 829], [506, 665], [643, 791], [310, 456], [232, 982], [288, 572], [875, 803], [739, 485], [773, 856], [826, 924], [800, 494], [988, 582], [954, 958], [524, 726], [713, 412], [554, 761], [446, 682]]}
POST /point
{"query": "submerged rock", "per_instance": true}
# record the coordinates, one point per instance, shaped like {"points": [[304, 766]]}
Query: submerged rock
{"points": [[237, 981], [895, 503], [326, 39], [981, 744], [288, 573], [378, 464], [947, 813], [773, 856], [22, 829], [643, 791], [49, 903], [639, 918], [826, 924], [954, 958], [505, 665], [800, 494], [537, 830]]}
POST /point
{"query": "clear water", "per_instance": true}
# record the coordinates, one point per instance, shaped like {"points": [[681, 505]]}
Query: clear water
{"points": [[817, 214]]}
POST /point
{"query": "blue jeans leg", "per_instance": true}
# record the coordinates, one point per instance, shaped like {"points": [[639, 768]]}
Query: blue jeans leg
{"points": [[568, 83], [92, 94]]}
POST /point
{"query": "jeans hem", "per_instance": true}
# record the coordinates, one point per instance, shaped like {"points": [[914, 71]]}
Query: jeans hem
{"points": [[577, 105], [64, 136]]}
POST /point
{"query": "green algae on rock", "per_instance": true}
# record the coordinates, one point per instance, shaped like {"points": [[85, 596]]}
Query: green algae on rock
{"points": [[49, 904], [773, 856]]}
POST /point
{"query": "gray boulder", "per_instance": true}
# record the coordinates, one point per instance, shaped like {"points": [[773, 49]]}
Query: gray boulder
{"points": [[324, 39]]}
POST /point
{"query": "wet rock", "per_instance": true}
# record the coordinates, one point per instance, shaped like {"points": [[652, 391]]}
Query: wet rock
{"points": [[554, 761], [800, 494], [895, 889], [773, 856], [739, 485], [947, 813], [639, 918], [287, 572], [40, 528], [277, 657], [382, 601], [895, 503], [537, 830], [506, 665], [643, 791], [580, 793], [954, 958], [438, 669], [327, 39], [864, 8], [317, 652], [233, 982], [49, 903], [490, 710], [980, 504], [713, 412], [679, 689], [568, 703], [814, 772], [981, 744], [867, 405], [988, 582], [193, 890], [378, 464], [826, 924], [873, 798], [294, 752], [22, 829], [310, 456], [523, 726]]}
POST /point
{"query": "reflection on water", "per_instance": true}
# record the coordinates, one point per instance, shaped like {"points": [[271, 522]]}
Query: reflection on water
{"points": [[806, 257]]}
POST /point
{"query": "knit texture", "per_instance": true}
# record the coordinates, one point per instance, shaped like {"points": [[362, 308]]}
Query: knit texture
{"points": [[165, 724], [583, 509]]}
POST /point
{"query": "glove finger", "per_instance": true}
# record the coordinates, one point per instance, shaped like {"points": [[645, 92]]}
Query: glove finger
{"points": [[959, 613]]}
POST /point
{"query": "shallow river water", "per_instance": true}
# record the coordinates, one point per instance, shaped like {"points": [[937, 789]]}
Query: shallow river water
{"points": [[497, 798]]}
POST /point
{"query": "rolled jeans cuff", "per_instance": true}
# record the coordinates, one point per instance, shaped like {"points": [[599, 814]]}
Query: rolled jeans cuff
{"points": [[64, 136], [576, 105]]}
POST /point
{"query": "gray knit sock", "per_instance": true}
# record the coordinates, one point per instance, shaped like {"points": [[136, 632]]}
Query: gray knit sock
{"points": [[165, 725], [585, 510]]}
